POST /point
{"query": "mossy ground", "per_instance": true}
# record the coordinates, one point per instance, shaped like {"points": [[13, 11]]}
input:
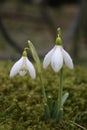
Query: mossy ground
{"points": [[21, 100]]}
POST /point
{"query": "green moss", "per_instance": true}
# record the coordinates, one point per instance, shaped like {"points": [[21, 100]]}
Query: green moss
{"points": [[21, 104]]}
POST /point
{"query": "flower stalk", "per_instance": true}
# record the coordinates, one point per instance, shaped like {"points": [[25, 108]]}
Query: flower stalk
{"points": [[60, 106], [43, 88], [56, 57], [37, 60]]}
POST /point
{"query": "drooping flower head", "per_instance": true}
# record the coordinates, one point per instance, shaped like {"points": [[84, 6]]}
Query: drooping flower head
{"points": [[22, 66], [57, 56]]}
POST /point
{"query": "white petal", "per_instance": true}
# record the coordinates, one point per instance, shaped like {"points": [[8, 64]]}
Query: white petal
{"points": [[47, 58], [16, 67], [57, 59], [67, 59], [30, 68], [23, 68]]}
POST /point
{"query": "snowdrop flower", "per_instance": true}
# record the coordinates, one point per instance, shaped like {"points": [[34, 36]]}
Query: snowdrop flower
{"points": [[22, 66], [57, 56]]}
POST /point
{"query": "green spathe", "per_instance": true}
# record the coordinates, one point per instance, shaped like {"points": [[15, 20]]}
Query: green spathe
{"points": [[59, 37]]}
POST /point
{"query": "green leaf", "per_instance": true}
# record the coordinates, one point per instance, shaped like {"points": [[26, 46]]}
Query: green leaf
{"points": [[64, 98], [47, 111], [51, 108], [60, 114], [50, 103], [55, 109]]}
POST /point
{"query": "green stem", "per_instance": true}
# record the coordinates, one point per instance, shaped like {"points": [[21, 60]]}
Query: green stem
{"points": [[47, 110], [43, 89], [38, 63], [60, 91]]}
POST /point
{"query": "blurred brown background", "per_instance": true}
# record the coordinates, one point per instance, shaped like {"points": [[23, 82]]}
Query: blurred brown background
{"points": [[38, 20]]}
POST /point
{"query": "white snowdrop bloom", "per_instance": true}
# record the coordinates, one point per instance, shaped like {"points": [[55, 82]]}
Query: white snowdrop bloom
{"points": [[22, 66], [56, 57]]}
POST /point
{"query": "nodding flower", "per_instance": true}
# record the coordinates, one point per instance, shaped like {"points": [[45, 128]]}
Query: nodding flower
{"points": [[22, 66], [57, 56]]}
